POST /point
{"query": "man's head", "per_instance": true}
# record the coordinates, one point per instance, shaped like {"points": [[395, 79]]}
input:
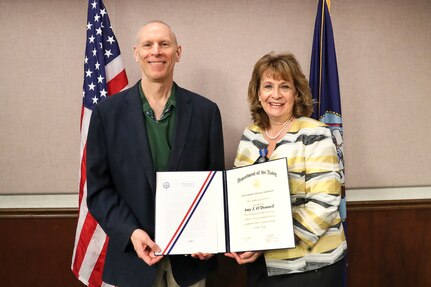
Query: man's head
{"points": [[157, 51]]}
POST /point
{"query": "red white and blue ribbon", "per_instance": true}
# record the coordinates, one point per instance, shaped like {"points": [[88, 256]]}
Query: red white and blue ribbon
{"points": [[189, 213]]}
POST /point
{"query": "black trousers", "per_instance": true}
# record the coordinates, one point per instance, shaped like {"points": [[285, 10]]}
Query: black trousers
{"points": [[328, 276]]}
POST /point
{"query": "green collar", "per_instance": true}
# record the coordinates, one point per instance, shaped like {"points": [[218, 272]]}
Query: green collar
{"points": [[170, 104]]}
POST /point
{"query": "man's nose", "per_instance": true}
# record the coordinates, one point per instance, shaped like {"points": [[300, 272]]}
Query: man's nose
{"points": [[156, 49]]}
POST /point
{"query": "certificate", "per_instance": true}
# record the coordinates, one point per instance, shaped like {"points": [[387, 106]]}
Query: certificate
{"points": [[242, 209]]}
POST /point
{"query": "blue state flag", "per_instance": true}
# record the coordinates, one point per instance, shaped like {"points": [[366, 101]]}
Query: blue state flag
{"points": [[325, 89], [324, 84]]}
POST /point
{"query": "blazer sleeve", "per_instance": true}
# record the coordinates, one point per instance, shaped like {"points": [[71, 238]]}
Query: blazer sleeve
{"points": [[104, 203], [216, 149], [323, 189]]}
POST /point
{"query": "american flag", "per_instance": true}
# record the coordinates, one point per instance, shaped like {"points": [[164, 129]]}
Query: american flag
{"points": [[104, 75]]}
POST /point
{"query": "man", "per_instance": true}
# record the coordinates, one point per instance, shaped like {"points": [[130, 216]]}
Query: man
{"points": [[153, 126]]}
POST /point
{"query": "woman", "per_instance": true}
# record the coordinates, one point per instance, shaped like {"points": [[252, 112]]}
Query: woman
{"points": [[280, 104]]}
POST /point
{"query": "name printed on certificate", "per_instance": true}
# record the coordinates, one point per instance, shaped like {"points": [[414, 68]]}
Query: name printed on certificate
{"points": [[260, 214]]}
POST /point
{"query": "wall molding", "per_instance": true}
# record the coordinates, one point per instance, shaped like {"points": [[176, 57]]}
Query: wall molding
{"points": [[388, 194], [387, 205], [39, 213], [67, 204], [35, 201]]}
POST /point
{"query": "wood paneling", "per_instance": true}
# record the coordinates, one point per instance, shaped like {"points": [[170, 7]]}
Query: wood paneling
{"points": [[388, 246], [389, 243], [36, 249]]}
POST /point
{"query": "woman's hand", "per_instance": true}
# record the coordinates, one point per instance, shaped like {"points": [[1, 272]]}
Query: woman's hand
{"points": [[145, 247], [244, 257]]}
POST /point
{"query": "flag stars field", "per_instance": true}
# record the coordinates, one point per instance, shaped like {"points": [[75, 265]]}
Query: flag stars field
{"points": [[88, 73], [103, 93], [108, 53], [94, 5], [110, 40]]}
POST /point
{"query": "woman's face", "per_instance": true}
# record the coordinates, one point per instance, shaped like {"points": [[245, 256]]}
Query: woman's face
{"points": [[277, 97]]}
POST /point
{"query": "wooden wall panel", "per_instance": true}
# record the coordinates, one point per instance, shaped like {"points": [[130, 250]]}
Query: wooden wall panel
{"points": [[389, 245], [37, 250]]}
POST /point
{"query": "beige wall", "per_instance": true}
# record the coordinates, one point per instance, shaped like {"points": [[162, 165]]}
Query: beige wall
{"points": [[383, 61]]}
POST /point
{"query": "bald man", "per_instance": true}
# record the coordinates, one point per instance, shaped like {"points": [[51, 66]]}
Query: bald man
{"points": [[153, 126]]}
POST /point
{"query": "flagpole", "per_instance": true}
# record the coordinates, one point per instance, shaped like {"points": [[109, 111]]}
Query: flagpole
{"points": [[321, 55]]}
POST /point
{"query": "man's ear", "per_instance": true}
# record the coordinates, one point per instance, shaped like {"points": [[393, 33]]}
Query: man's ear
{"points": [[179, 53], [136, 54]]}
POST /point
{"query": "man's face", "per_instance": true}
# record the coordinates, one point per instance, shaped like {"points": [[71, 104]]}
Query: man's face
{"points": [[157, 52]]}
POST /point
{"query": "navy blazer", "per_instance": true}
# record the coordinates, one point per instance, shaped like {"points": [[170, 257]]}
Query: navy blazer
{"points": [[121, 177]]}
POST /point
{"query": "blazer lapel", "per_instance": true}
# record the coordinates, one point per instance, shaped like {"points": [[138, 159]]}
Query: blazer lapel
{"points": [[182, 126], [137, 130]]}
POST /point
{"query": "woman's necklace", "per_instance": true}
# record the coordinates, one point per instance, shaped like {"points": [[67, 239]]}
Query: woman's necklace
{"points": [[279, 133]]}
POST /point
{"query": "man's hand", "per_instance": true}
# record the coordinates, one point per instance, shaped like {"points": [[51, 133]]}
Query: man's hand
{"points": [[145, 247], [244, 257]]}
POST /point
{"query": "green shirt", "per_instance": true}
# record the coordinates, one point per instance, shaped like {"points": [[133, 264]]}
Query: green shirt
{"points": [[160, 133]]}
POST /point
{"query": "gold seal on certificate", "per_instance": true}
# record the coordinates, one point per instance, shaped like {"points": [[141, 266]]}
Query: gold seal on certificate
{"points": [[242, 209]]}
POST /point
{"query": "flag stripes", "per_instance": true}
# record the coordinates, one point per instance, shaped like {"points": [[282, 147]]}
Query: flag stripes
{"points": [[104, 75]]}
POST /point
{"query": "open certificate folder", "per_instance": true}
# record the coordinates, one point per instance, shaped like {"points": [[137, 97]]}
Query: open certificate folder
{"points": [[242, 209]]}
